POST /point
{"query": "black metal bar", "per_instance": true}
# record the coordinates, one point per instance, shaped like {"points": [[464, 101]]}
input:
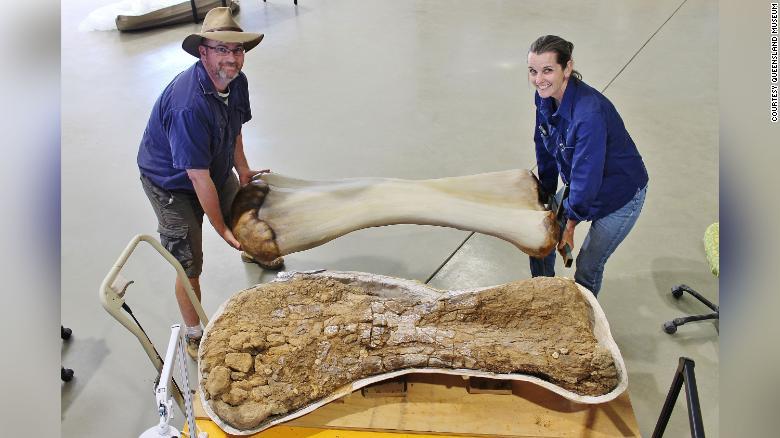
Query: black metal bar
{"points": [[698, 296], [692, 397], [177, 393], [194, 11], [671, 398], [683, 375], [687, 319]]}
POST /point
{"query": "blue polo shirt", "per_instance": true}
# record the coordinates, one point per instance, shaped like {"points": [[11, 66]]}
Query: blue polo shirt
{"points": [[191, 127], [585, 142]]}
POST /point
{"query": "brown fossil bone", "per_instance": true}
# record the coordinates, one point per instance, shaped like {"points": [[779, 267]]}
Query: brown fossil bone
{"points": [[281, 349], [275, 215]]}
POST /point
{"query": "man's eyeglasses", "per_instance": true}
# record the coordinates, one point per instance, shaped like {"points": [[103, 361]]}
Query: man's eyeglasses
{"points": [[223, 51]]}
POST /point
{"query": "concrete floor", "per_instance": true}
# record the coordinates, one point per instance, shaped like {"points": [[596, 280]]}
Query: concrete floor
{"points": [[397, 89]]}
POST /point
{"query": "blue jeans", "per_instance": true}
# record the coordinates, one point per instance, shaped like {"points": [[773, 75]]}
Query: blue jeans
{"points": [[603, 238]]}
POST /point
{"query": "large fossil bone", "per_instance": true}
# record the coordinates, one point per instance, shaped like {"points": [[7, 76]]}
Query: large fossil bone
{"points": [[275, 215], [281, 349]]}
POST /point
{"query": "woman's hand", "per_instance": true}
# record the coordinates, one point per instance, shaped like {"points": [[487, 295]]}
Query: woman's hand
{"points": [[568, 235]]}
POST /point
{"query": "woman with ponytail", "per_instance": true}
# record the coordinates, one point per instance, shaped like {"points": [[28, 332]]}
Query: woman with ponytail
{"points": [[580, 137]]}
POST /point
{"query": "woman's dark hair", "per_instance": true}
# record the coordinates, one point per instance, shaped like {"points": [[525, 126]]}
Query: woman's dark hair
{"points": [[558, 45]]}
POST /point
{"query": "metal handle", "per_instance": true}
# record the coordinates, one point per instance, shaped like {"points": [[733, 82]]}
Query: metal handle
{"points": [[113, 300]]}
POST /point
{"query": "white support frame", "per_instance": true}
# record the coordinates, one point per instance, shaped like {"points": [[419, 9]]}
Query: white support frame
{"points": [[112, 297]]}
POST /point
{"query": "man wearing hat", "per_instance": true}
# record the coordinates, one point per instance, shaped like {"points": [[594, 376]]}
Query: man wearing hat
{"points": [[191, 145]]}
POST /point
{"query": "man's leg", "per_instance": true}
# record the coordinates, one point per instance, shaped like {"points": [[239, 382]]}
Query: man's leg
{"points": [[188, 312], [180, 222], [603, 238], [187, 248], [192, 330]]}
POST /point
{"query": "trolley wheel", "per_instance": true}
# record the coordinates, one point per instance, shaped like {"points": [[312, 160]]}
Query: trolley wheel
{"points": [[677, 291], [66, 374], [669, 327], [65, 333]]}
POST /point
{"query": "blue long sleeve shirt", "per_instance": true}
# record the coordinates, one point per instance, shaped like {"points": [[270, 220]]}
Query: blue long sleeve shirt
{"points": [[585, 142], [191, 127]]}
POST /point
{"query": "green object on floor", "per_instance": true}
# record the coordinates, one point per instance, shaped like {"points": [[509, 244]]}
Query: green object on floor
{"points": [[712, 247]]}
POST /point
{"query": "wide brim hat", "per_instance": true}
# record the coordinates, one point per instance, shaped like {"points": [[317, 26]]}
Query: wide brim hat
{"points": [[219, 25]]}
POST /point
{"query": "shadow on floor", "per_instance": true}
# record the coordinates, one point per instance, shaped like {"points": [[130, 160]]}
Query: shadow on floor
{"points": [[94, 349]]}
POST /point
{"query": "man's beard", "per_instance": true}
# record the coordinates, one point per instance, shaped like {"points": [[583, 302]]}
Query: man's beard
{"points": [[225, 76]]}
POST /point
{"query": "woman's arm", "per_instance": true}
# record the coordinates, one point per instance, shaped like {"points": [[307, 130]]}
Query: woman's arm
{"points": [[587, 170], [545, 163]]}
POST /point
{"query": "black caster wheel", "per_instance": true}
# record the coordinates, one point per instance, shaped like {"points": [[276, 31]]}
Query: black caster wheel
{"points": [[66, 374], [677, 291], [65, 333], [669, 327]]}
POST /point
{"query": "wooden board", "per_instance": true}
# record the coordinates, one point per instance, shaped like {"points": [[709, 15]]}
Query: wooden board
{"points": [[440, 404]]}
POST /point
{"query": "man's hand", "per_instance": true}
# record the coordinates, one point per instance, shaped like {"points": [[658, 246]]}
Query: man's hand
{"points": [[209, 201], [228, 236], [247, 175]]}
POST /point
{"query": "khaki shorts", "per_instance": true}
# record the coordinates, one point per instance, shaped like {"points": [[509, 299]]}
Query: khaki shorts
{"points": [[180, 221]]}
